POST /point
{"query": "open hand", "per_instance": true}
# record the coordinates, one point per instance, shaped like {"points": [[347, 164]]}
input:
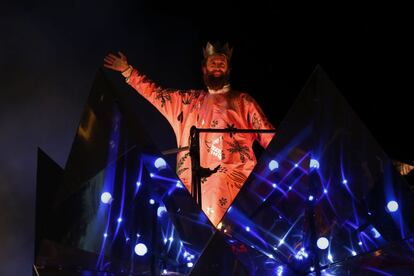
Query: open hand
{"points": [[117, 63]]}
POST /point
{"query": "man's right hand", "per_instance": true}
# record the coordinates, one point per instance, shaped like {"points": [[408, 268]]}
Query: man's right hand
{"points": [[117, 63]]}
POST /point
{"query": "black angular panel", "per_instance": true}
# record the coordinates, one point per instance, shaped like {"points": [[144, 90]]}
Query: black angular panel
{"points": [[324, 191]]}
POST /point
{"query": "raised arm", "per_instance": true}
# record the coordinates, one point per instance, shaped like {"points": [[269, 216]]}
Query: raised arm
{"points": [[167, 101]]}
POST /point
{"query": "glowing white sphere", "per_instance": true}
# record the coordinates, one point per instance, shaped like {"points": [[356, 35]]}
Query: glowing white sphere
{"points": [[160, 163], [190, 264], [151, 201], [314, 164], [106, 198], [141, 249], [161, 210], [273, 165], [279, 270], [322, 243], [392, 206]]}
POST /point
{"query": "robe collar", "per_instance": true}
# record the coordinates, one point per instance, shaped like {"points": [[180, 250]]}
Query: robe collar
{"points": [[223, 90]]}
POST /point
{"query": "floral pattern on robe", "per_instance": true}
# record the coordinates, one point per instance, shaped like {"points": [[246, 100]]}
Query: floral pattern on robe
{"points": [[232, 151]]}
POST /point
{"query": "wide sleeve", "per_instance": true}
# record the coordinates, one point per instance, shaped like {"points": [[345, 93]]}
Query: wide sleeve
{"points": [[257, 120], [168, 101]]}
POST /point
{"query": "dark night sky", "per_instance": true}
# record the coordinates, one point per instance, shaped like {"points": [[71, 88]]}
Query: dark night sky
{"points": [[50, 52]]}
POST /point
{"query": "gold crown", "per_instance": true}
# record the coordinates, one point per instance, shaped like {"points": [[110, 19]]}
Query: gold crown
{"points": [[217, 50]]}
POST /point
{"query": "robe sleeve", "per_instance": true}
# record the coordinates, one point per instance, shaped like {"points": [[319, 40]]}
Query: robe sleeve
{"points": [[257, 120], [167, 101]]}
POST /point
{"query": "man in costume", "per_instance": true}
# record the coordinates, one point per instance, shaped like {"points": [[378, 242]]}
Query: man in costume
{"points": [[218, 107]]}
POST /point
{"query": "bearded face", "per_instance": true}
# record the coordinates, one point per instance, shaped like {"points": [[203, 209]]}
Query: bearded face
{"points": [[216, 72]]}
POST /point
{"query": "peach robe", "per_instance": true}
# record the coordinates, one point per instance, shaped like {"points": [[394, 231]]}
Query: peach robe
{"points": [[214, 109]]}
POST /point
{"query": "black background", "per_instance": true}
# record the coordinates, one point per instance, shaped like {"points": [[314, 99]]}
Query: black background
{"points": [[50, 52]]}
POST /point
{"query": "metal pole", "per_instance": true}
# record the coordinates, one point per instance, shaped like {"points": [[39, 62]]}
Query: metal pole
{"points": [[195, 165]]}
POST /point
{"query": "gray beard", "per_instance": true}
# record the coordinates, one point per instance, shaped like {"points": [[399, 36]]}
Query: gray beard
{"points": [[216, 83]]}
